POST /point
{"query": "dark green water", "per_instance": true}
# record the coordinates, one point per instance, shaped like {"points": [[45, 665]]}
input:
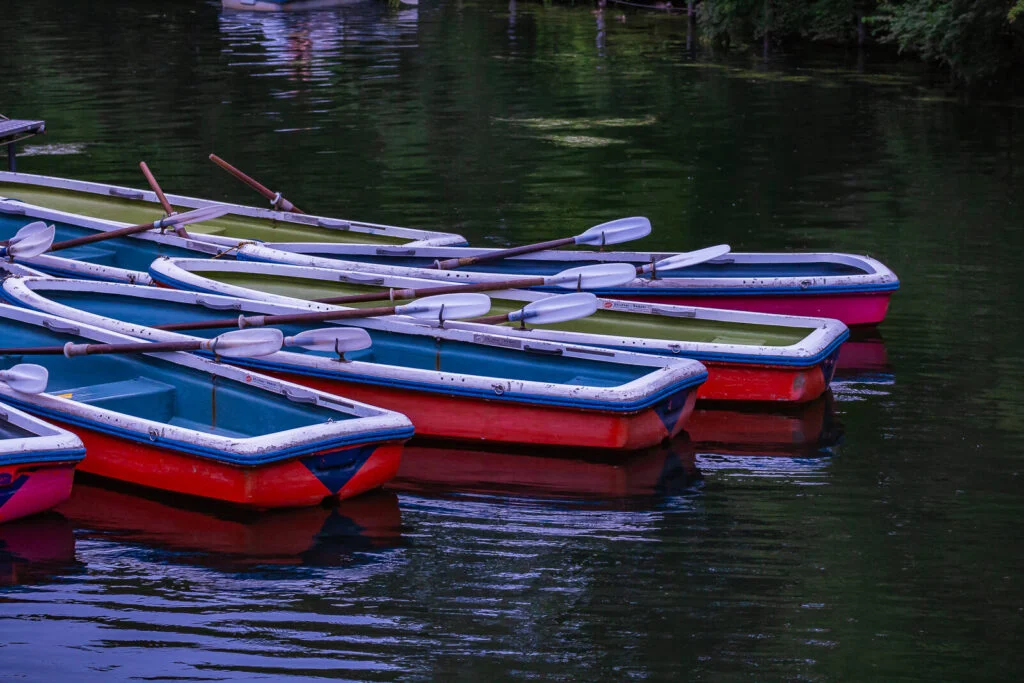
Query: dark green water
{"points": [[896, 557]]}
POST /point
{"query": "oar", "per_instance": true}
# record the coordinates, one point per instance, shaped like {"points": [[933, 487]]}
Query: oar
{"points": [[277, 202], [689, 258], [32, 240], [177, 220], [584, 277], [440, 308], [236, 344], [155, 186], [613, 232], [26, 378], [555, 309]]}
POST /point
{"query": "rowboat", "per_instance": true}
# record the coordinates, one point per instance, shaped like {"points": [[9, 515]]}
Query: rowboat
{"points": [[852, 289], [182, 423], [210, 534], [452, 383], [37, 463], [749, 356], [80, 208]]}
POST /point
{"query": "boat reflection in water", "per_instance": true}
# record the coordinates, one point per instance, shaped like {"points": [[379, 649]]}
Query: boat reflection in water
{"points": [[863, 358], [231, 539], [804, 431], [36, 549], [441, 468]]}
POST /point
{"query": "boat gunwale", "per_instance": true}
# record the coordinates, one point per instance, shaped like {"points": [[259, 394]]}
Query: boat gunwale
{"points": [[663, 377], [368, 423], [419, 237], [824, 336], [49, 443]]}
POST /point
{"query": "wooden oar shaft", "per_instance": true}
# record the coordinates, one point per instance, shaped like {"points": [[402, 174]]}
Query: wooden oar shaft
{"points": [[155, 186], [504, 253], [93, 349], [101, 235], [491, 319], [400, 294], [284, 204], [283, 319]]}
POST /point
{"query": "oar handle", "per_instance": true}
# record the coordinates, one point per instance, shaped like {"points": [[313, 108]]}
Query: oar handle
{"points": [[283, 319], [400, 294], [155, 186], [448, 264], [278, 202]]}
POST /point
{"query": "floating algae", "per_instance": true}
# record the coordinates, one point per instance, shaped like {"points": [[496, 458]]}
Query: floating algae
{"points": [[581, 141], [52, 150], [580, 123]]}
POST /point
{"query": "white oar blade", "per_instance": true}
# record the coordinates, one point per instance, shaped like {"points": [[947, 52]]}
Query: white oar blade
{"points": [[331, 339], [593, 277], [615, 232], [557, 309], [690, 258], [26, 378], [257, 341], [204, 214], [32, 240], [447, 307]]}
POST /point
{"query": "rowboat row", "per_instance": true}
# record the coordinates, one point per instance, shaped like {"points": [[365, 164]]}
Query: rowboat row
{"points": [[284, 359], [853, 289]]}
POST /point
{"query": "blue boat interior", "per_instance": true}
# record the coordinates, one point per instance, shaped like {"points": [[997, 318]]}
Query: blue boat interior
{"points": [[12, 431], [395, 349], [526, 266], [120, 252], [159, 390]]}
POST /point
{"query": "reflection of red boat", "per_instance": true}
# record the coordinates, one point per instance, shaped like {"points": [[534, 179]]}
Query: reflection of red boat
{"points": [[35, 549], [220, 535], [807, 430], [863, 356], [567, 474]]}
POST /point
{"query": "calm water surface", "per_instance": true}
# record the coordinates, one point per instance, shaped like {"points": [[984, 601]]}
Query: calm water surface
{"points": [[873, 536]]}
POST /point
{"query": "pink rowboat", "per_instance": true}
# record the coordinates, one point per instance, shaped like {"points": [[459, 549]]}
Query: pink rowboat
{"points": [[37, 464], [852, 289]]}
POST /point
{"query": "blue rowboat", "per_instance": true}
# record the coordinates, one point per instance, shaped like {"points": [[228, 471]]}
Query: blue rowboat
{"points": [[452, 383], [749, 356], [182, 423], [285, 5], [37, 463]]}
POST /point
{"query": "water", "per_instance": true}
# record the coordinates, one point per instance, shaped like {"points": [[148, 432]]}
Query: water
{"points": [[872, 537]]}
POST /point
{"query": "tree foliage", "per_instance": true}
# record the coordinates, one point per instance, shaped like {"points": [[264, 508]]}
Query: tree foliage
{"points": [[977, 40]]}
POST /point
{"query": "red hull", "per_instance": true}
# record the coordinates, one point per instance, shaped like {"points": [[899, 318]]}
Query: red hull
{"points": [[292, 483], [453, 417], [26, 489], [867, 308], [733, 382]]}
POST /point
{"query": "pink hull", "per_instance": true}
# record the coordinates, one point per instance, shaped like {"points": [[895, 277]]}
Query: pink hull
{"points": [[868, 308], [28, 489]]}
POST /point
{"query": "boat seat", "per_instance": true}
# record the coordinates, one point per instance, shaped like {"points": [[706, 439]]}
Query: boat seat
{"points": [[141, 397], [102, 256], [185, 423]]}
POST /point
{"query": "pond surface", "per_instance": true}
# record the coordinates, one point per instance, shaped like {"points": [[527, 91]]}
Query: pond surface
{"points": [[872, 536]]}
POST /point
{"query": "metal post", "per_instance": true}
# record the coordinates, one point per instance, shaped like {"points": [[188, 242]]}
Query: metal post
{"points": [[12, 159]]}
